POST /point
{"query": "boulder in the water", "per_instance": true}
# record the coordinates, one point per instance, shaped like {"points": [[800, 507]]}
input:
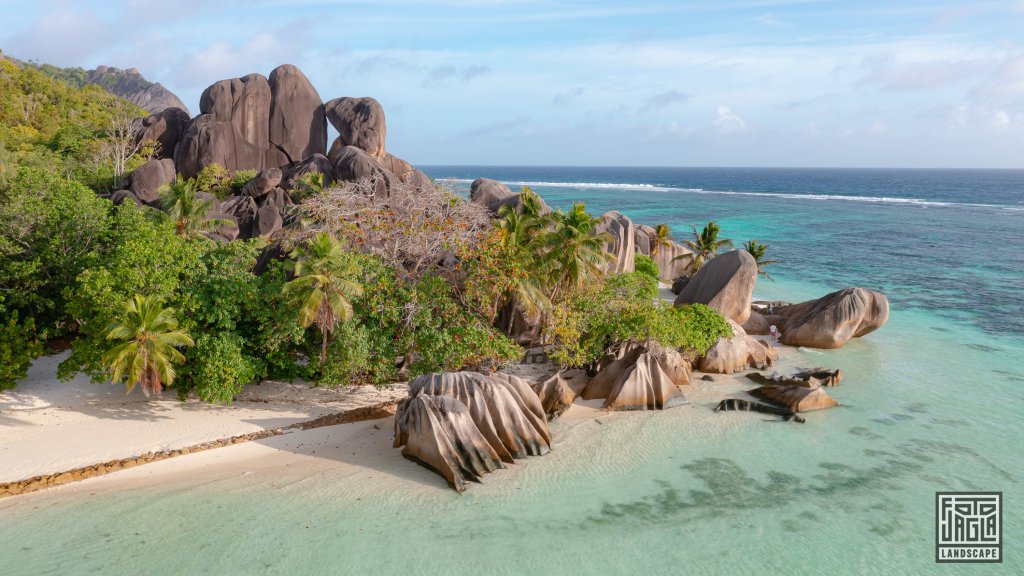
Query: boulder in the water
{"points": [[833, 319], [795, 398], [733, 404], [815, 378]]}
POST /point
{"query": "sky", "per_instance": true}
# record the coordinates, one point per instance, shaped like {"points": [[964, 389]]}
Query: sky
{"points": [[792, 83]]}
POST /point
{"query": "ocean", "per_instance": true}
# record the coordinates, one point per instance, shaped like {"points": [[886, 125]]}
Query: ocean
{"points": [[931, 402]]}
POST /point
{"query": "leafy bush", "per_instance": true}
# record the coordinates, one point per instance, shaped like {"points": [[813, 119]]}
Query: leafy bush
{"points": [[587, 321], [349, 357], [218, 368], [138, 256], [18, 347], [646, 265], [214, 179], [241, 178], [448, 337], [50, 229]]}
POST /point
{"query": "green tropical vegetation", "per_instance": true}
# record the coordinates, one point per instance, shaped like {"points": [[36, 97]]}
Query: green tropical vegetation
{"points": [[758, 252], [189, 213], [662, 237], [704, 246], [646, 265], [145, 339], [366, 289]]}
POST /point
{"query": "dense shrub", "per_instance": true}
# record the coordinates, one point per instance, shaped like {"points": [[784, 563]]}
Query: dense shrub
{"points": [[50, 229], [587, 321], [646, 265], [138, 256], [217, 368], [18, 347], [214, 179], [241, 178]]}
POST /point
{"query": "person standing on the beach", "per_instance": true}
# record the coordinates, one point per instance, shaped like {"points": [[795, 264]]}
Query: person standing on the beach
{"points": [[774, 331]]}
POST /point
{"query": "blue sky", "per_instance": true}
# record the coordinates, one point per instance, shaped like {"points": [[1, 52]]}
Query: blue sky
{"points": [[727, 83]]}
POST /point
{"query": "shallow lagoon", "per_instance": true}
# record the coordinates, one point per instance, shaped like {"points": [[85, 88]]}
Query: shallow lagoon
{"points": [[931, 402]]}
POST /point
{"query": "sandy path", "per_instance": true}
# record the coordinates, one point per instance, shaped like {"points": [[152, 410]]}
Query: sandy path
{"points": [[47, 426]]}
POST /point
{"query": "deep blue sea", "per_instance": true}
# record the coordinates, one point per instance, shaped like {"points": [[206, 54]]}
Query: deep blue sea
{"points": [[931, 402], [949, 241]]}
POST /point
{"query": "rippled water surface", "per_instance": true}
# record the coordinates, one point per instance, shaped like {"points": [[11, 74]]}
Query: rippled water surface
{"points": [[932, 402]]}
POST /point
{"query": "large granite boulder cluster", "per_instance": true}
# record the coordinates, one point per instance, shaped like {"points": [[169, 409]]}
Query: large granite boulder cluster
{"points": [[463, 425], [277, 126], [833, 319]]}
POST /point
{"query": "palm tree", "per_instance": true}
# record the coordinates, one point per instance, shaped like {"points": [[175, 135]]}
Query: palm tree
{"points": [[662, 237], [758, 252], [521, 232], [147, 336], [190, 214], [575, 251], [323, 287], [705, 245]]}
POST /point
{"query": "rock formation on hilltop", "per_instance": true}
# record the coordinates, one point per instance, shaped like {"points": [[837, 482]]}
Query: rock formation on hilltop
{"points": [[130, 85]]}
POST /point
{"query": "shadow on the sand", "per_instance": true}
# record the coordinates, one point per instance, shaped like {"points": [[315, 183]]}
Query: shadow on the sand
{"points": [[366, 445]]}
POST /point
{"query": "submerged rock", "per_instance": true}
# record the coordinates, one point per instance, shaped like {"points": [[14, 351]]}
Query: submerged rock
{"points": [[732, 404], [833, 319], [808, 379], [795, 398], [725, 283], [440, 433]]}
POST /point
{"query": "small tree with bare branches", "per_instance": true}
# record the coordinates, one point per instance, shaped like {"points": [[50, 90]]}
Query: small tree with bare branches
{"points": [[411, 228], [123, 141]]}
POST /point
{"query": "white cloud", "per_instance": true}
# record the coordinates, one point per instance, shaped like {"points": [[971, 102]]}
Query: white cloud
{"points": [[727, 121]]}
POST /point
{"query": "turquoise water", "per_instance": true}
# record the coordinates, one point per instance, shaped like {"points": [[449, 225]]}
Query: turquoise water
{"points": [[931, 402]]}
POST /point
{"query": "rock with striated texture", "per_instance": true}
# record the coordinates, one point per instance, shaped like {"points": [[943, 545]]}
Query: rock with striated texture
{"points": [[439, 432], [795, 398], [263, 183], [622, 245], [729, 355], [505, 409], [360, 123], [738, 404], [832, 320], [353, 163], [641, 373], [145, 182], [315, 164], [298, 125], [243, 209], [166, 128], [816, 378], [726, 283], [644, 386]]}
